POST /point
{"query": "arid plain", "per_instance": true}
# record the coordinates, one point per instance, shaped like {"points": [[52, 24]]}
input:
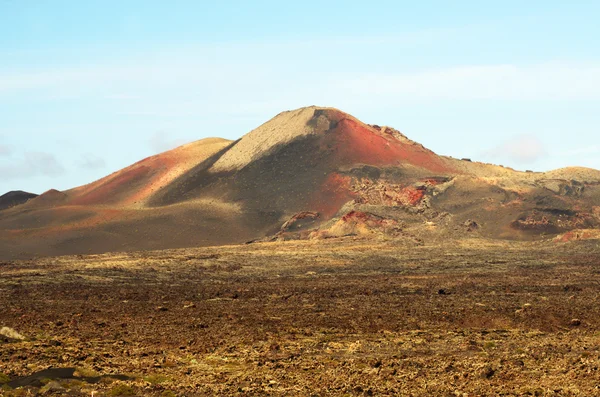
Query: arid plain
{"points": [[347, 316]]}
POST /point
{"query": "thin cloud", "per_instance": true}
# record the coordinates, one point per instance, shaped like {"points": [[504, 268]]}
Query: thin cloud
{"points": [[97, 77], [160, 142], [5, 150], [582, 151], [522, 149], [542, 81], [92, 162], [545, 81], [181, 66], [31, 165], [122, 97]]}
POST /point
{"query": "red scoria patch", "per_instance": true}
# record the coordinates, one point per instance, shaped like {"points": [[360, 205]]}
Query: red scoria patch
{"points": [[433, 181], [335, 191], [414, 195], [578, 235], [370, 220], [358, 143], [359, 215], [388, 194]]}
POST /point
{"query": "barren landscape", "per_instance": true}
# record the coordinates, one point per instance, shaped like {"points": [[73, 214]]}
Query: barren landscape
{"points": [[348, 316], [315, 256], [299, 199]]}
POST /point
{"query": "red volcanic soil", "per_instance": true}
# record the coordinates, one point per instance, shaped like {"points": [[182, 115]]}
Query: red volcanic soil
{"points": [[411, 195], [119, 188], [135, 184], [360, 143], [352, 143], [333, 193]]}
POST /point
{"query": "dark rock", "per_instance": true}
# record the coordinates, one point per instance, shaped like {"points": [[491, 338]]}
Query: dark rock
{"points": [[488, 372], [471, 225]]}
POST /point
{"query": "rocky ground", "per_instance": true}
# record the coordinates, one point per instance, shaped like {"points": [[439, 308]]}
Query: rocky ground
{"points": [[346, 317]]}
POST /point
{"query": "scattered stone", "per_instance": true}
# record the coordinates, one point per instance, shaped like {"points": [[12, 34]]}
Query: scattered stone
{"points": [[162, 309], [51, 388], [488, 372], [11, 334], [526, 307], [575, 322], [297, 217], [471, 225], [376, 363], [189, 306]]}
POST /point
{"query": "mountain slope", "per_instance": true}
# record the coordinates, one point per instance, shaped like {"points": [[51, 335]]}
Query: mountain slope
{"points": [[135, 184], [15, 198], [309, 173]]}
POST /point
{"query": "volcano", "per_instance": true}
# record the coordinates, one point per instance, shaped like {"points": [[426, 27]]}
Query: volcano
{"points": [[310, 173]]}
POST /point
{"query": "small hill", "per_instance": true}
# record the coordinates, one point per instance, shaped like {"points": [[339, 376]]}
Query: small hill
{"points": [[14, 198]]}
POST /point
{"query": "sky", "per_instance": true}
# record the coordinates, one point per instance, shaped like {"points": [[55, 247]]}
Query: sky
{"points": [[89, 87]]}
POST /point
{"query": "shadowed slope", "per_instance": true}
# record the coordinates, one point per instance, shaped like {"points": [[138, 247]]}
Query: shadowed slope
{"points": [[15, 198]]}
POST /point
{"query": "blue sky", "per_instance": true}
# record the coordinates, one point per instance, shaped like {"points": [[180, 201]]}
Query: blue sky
{"points": [[87, 88]]}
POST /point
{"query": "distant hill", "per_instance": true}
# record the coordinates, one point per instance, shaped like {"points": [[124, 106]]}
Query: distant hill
{"points": [[14, 198], [314, 173]]}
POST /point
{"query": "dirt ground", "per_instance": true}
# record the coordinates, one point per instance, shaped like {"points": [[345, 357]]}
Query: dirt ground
{"points": [[345, 317]]}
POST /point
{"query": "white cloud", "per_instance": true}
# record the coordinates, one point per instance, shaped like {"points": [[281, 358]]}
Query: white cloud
{"points": [[582, 151], [92, 162], [522, 149], [32, 164], [70, 81], [161, 141], [560, 81]]}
